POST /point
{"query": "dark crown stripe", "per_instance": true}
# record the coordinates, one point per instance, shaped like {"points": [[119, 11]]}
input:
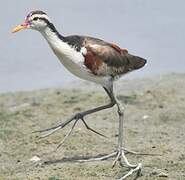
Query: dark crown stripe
{"points": [[37, 12]]}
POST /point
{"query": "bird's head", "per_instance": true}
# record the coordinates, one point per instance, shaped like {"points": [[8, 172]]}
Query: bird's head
{"points": [[37, 20]]}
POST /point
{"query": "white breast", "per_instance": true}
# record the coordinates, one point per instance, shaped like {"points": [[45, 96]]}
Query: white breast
{"points": [[73, 60]]}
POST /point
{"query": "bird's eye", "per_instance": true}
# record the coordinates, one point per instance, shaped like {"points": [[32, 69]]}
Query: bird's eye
{"points": [[35, 18]]}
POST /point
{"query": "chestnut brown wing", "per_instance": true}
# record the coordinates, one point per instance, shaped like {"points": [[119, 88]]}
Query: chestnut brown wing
{"points": [[106, 58]]}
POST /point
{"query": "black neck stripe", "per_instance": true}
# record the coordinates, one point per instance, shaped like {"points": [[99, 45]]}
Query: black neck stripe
{"points": [[75, 41], [52, 27]]}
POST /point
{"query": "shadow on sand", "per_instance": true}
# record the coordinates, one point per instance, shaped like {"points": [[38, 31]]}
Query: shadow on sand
{"points": [[77, 159]]}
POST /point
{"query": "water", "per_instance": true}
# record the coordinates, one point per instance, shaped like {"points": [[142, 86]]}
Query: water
{"points": [[152, 29]]}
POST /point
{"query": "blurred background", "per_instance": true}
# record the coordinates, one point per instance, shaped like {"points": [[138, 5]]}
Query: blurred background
{"points": [[154, 30]]}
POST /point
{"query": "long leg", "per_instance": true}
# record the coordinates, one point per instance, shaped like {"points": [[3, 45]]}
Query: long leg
{"points": [[80, 116], [121, 152]]}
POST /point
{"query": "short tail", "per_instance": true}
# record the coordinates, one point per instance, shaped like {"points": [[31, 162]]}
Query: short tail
{"points": [[137, 62]]}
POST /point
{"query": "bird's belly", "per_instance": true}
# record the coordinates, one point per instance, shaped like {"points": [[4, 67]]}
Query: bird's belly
{"points": [[76, 66]]}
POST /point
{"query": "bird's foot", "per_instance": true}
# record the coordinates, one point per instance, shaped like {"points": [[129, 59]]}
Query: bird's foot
{"points": [[75, 118], [121, 158], [127, 151]]}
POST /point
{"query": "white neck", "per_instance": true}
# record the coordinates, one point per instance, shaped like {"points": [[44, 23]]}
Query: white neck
{"points": [[50, 36], [57, 44], [62, 49]]}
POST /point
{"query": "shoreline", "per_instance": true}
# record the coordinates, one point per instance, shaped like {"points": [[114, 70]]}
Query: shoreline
{"points": [[79, 83]]}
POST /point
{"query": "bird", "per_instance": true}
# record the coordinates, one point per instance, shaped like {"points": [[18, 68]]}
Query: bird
{"points": [[94, 60]]}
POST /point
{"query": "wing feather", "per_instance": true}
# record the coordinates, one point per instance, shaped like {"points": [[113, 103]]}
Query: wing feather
{"points": [[109, 59]]}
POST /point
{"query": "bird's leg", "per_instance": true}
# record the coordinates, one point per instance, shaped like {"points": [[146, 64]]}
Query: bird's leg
{"points": [[70, 131], [76, 117], [121, 157], [119, 154], [67, 135], [87, 126]]}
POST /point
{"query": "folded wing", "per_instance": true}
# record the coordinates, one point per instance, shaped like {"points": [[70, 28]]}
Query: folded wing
{"points": [[104, 58]]}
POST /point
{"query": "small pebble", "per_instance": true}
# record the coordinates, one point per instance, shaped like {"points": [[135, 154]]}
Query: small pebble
{"points": [[162, 174], [145, 117], [35, 159]]}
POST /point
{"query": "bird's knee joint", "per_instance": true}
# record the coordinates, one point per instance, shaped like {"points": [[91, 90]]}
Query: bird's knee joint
{"points": [[121, 113], [112, 103], [79, 116]]}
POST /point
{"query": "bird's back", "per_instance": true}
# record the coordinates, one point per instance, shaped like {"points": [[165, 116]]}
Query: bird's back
{"points": [[103, 58]]}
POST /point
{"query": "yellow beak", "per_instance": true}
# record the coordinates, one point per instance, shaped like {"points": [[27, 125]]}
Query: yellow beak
{"points": [[20, 27]]}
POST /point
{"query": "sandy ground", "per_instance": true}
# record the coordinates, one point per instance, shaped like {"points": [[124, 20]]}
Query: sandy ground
{"points": [[154, 123]]}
